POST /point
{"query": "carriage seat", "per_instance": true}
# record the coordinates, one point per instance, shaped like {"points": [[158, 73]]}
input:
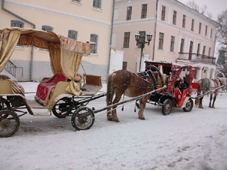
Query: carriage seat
{"points": [[45, 88], [15, 86]]}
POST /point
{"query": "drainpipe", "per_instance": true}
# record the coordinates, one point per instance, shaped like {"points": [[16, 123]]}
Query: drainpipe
{"points": [[155, 27], [108, 67], [19, 17]]}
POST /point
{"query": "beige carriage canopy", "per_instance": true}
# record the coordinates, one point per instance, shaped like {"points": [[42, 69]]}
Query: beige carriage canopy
{"points": [[65, 53]]}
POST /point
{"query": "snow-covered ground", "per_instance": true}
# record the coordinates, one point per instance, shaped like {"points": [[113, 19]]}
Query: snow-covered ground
{"points": [[180, 141]]}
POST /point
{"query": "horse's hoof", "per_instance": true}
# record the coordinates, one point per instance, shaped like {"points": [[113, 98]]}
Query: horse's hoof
{"points": [[201, 107], [116, 119], [142, 118], [110, 119]]}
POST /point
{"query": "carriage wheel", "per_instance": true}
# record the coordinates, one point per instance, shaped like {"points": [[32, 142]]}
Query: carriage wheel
{"points": [[62, 107], [8, 125], [189, 105], [83, 118], [167, 107]]}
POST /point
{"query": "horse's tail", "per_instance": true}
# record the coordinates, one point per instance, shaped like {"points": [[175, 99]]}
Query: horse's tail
{"points": [[197, 101], [110, 90]]}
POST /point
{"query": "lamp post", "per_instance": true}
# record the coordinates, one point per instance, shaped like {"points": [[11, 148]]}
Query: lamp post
{"points": [[141, 41]]}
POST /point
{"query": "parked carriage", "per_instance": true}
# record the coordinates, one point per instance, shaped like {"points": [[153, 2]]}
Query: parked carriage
{"points": [[177, 95], [60, 93]]}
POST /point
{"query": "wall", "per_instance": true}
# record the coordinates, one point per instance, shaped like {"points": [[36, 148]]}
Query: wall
{"points": [[62, 16]]}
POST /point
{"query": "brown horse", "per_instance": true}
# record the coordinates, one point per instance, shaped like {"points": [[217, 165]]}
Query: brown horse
{"points": [[130, 84]]}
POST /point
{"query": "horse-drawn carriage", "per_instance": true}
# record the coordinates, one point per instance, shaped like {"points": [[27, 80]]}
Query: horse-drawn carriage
{"points": [[180, 87], [60, 94]]}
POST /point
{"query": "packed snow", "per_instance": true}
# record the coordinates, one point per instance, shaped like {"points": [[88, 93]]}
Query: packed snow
{"points": [[195, 140]]}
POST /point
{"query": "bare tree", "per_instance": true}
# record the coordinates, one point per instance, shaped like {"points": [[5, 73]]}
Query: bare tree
{"points": [[222, 34], [193, 5], [199, 9]]}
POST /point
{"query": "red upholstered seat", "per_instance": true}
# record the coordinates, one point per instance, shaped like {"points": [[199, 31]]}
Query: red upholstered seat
{"points": [[45, 88]]}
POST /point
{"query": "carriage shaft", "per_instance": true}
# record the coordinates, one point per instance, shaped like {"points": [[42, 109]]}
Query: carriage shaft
{"points": [[211, 91]]}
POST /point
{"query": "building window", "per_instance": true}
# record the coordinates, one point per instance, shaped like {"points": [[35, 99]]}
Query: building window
{"points": [[72, 34], [211, 33], [198, 48], [192, 27], [126, 39], [200, 25], [182, 45], [206, 30], [172, 43], [174, 17], [129, 13], [161, 41], [144, 11], [78, 1], [124, 65], [94, 38], [183, 21], [209, 51], [15, 23], [163, 13], [97, 4], [142, 37], [47, 28], [204, 50], [190, 50]]}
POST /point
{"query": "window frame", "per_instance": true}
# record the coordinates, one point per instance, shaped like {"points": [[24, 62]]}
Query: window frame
{"points": [[206, 27], [204, 50], [124, 65], [77, 1], [161, 41], [172, 42], [19, 24], [182, 45], [144, 11], [129, 13], [126, 39], [200, 26], [211, 33], [192, 26], [47, 28], [198, 48], [209, 51], [97, 4], [184, 21], [72, 32], [163, 14], [94, 47], [174, 17]]}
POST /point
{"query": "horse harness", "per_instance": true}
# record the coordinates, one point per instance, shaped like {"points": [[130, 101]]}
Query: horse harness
{"points": [[215, 81]]}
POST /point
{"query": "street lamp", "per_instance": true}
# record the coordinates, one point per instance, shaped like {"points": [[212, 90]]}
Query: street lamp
{"points": [[142, 43]]}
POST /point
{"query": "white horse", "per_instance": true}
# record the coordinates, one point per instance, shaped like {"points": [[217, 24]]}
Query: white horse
{"points": [[207, 85]]}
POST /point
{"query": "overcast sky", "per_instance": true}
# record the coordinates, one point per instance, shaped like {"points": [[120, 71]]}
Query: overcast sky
{"points": [[213, 6]]}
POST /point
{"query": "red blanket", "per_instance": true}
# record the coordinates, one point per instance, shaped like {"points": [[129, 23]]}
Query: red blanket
{"points": [[45, 88]]}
